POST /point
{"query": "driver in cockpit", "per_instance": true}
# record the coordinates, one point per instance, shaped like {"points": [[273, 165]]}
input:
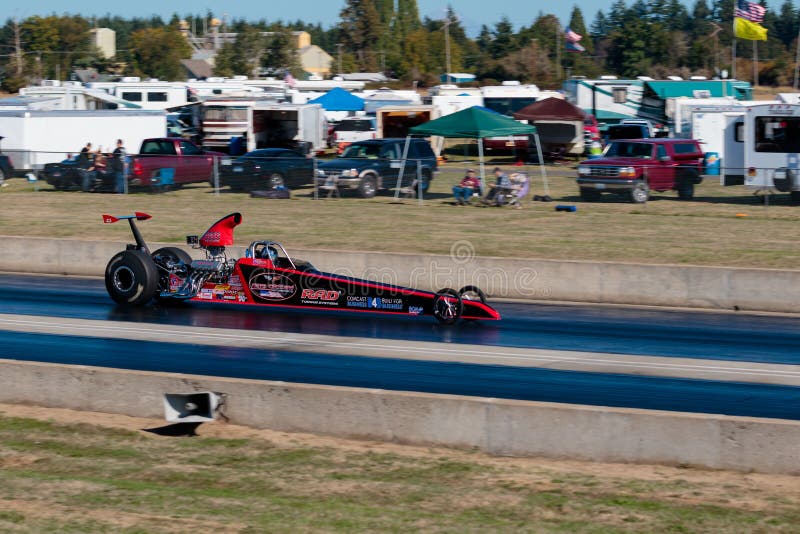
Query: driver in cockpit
{"points": [[268, 253]]}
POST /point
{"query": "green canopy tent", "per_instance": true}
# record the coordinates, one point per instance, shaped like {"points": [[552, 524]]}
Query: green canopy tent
{"points": [[478, 123]]}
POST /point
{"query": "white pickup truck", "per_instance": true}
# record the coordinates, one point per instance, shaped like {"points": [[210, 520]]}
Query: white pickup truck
{"points": [[352, 129]]}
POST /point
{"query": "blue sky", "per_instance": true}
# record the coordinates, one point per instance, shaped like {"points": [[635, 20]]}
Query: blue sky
{"points": [[473, 13]]}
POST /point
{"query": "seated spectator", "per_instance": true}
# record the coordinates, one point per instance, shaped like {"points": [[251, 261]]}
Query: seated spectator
{"points": [[499, 190], [466, 188]]}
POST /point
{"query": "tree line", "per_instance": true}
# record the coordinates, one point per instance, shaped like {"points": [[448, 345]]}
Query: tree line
{"points": [[652, 38]]}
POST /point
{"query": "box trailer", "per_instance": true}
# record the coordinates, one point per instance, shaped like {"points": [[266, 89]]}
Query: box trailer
{"points": [[276, 125], [768, 138], [33, 138], [396, 121]]}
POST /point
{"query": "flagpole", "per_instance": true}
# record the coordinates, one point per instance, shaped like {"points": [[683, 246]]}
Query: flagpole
{"points": [[755, 64], [558, 52], [733, 51], [797, 60]]}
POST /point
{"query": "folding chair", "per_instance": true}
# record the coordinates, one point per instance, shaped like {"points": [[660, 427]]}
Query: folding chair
{"points": [[522, 187], [331, 186]]}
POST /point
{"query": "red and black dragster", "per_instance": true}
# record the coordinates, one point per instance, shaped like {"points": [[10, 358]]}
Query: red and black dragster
{"points": [[267, 276]]}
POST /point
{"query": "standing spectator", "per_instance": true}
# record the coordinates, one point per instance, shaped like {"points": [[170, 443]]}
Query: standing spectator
{"points": [[118, 167], [463, 191], [86, 167], [499, 190]]}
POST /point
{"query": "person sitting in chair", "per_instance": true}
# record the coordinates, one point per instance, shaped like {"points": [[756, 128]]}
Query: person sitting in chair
{"points": [[499, 190], [469, 184]]}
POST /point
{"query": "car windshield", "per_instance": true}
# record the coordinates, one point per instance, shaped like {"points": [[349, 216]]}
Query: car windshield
{"points": [[361, 151], [625, 149]]}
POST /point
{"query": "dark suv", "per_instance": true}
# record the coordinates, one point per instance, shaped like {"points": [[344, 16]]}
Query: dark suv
{"points": [[637, 166], [367, 166]]}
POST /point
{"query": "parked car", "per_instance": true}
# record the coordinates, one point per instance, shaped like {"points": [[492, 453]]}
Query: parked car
{"points": [[189, 163], [637, 166], [266, 168], [67, 175], [368, 166]]}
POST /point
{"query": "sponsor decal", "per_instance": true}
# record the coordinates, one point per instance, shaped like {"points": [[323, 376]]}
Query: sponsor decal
{"points": [[380, 303], [323, 297], [268, 285], [356, 302], [175, 282], [242, 297], [206, 294], [222, 287], [415, 310], [235, 282]]}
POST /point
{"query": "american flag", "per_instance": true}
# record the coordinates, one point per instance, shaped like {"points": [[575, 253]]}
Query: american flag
{"points": [[571, 36], [749, 11]]}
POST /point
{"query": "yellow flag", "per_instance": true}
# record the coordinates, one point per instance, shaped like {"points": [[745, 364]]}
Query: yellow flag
{"points": [[744, 29]]}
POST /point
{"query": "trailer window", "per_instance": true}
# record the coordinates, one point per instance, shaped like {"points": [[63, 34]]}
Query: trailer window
{"points": [[778, 134], [226, 113], [156, 97], [738, 132], [620, 94], [131, 96]]}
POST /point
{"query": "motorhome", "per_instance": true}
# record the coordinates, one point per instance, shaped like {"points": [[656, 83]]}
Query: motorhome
{"points": [[610, 99], [146, 94], [73, 96], [506, 99], [763, 151]]}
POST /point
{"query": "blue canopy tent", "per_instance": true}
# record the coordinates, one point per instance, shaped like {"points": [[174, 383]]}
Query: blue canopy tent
{"points": [[337, 99]]}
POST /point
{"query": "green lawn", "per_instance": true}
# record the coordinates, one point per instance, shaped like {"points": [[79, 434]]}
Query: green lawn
{"points": [[723, 226]]}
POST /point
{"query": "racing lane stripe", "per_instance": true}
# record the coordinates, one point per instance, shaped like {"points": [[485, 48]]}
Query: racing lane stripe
{"points": [[411, 350]]}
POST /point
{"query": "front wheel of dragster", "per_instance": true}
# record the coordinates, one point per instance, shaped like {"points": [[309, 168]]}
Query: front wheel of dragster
{"points": [[472, 293], [131, 278], [447, 306], [170, 260]]}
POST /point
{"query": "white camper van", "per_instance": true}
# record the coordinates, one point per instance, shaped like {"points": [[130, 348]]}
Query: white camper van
{"points": [[767, 137]]}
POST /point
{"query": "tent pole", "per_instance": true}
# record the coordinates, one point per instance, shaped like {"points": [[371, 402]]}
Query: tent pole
{"points": [[541, 164], [402, 168], [480, 163]]}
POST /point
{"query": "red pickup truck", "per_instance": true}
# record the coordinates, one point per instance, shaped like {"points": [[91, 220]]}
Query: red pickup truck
{"points": [[634, 167], [189, 162]]}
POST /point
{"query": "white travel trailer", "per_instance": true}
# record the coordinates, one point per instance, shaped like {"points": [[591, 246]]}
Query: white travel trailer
{"points": [[33, 138], [768, 138], [226, 117], [275, 125]]}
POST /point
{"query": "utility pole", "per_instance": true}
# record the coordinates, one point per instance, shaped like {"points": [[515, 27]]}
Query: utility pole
{"points": [[17, 47], [447, 47], [339, 52]]}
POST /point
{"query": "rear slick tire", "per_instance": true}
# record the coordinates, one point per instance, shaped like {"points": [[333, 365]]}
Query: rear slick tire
{"points": [[131, 278]]}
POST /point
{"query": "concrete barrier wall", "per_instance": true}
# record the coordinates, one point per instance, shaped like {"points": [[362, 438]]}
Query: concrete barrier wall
{"points": [[577, 281], [502, 427]]}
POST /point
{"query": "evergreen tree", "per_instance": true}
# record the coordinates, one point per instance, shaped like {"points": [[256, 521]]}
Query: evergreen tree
{"points": [[361, 32]]}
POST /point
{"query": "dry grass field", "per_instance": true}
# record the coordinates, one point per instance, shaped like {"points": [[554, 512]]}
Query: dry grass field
{"points": [[64, 471], [722, 226]]}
